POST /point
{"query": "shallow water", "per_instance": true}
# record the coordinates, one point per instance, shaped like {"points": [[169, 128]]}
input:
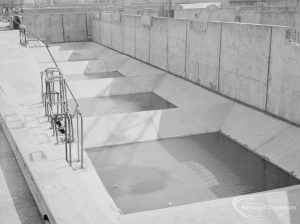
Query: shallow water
{"points": [[122, 104], [158, 174]]}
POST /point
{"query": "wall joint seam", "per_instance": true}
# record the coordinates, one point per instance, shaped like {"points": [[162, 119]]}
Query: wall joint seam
{"points": [[269, 66]]}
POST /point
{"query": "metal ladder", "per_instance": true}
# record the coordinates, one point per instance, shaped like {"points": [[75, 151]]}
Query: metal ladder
{"points": [[54, 89]]}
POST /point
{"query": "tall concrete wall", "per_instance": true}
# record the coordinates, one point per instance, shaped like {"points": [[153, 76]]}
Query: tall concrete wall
{"points": [[117, 32], [250, 17], [56, 28], [75, 27], [159, 42], [177, 45], [47, 26], [286, 18], [250, 63], [284, 80], [106, 29], [244, 62], [96, 28], [142, 40], [203, 54], [129, 24]]}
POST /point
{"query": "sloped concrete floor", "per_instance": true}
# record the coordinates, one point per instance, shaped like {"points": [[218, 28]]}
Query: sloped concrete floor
{"points": [[24, 204]]}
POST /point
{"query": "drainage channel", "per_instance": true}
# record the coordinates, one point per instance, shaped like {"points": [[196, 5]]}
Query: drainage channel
{"points": [[11, 176]]}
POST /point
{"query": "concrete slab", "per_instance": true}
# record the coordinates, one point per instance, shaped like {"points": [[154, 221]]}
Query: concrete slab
{"points": [[252, 128], [226, 210]]}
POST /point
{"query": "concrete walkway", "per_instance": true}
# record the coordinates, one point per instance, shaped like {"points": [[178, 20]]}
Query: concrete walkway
{"points": [[17, 205]]}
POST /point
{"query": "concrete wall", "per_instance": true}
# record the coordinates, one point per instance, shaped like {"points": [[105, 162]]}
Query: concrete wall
{"points": [[48, 26], [206, 14], [96, 28], [117, 32], [286, 18], [159, 43], [106, 29], [238, 60], [177, 45], [59, 27], [250, 17], [203, 55], [75, 27], [142, 41], [59, 10], [244, 62], [129, 24], [284, 91]]}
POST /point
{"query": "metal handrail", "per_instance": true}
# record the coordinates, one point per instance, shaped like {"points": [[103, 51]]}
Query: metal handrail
{"points": [[68, 116]]}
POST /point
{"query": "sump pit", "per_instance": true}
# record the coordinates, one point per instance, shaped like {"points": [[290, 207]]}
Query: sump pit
{"points": [[177, 171]]}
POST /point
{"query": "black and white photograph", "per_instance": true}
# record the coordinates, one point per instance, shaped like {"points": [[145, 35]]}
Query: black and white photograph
{"points": [[149, 111]]}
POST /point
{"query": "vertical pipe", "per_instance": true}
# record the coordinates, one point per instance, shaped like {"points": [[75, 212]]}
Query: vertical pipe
{"points": [[81, 140], [66, 137], [42, 87], [77, 132], [69, 141]]}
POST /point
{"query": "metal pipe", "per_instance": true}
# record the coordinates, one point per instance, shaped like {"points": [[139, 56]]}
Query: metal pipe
{"points": [[77, 133], [81, 119], [69, 141], [66, 142]]}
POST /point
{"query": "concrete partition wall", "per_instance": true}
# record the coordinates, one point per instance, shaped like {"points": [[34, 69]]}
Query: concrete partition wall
{"points": [[284, 81], [129, 26], [142, 50], [117, 32], [75, 27], [159, 42], [285, 18], [250, 17], [89, 21], [96, 28], [222, 15], [48, 26], [106, 29], [177, 44], [201, 14], [203, 54], [245, 50]]}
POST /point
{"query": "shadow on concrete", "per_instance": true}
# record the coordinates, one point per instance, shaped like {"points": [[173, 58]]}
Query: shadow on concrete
{"points": [[22, 198]]}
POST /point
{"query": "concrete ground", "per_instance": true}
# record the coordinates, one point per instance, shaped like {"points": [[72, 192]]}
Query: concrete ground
{"points": [[17, 205], [78, 196]]}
